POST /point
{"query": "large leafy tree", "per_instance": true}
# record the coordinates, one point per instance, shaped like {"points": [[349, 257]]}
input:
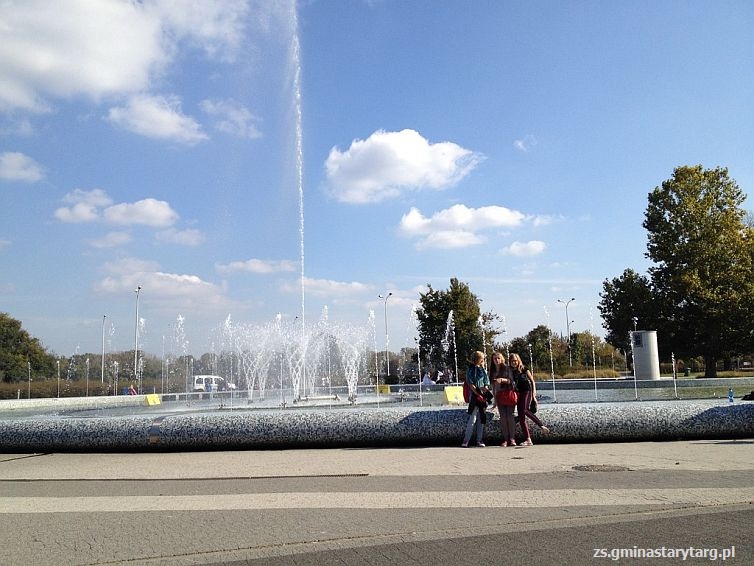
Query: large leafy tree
{"points": [[20, 353], [701, 290], [445, 338], [703, 252]]}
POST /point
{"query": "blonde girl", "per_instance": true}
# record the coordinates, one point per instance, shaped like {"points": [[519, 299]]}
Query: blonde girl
{"points": [[502, 381], [526, 388]]}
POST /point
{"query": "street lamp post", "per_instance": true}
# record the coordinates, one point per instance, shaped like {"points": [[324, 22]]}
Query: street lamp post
{"points": [[102, 372], [387, 339], [568, 328], [136, 339]]}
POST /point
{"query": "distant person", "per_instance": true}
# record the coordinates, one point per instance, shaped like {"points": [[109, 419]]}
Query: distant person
{"points": [[479, 392], [505, 397], [526, 389], [132, 390], [426, 380]]}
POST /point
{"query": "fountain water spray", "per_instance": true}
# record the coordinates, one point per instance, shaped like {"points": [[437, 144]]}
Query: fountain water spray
{"points": [[552, 363], [505, 338], [450, 338], [298, 110], [480, 321], [594, 356]]}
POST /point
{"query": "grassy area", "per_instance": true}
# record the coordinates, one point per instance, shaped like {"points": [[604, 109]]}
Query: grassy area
{"points": [[604, 373]]}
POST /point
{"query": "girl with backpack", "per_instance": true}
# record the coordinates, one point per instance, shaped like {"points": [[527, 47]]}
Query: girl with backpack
{"points": [[478, 383], [526, 390]]}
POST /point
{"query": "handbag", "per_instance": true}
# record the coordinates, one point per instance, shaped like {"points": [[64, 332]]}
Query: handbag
{"points": [[507, 397]]}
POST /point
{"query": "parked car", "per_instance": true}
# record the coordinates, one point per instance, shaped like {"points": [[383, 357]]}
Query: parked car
{"points": [[212, 383]]}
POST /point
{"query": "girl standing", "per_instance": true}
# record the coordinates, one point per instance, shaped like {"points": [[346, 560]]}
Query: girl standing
{"points": [[526, 388], [502, 385], [479, 383]]}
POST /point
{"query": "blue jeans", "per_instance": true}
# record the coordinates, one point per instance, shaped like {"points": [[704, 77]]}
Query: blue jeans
{"points": [[475, 422]]}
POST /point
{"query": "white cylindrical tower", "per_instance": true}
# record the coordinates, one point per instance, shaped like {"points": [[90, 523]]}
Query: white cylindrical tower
{"points": [[646, 358]]}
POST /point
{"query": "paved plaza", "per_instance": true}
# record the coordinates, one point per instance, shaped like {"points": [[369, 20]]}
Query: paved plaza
{"points": [[546, 504]]}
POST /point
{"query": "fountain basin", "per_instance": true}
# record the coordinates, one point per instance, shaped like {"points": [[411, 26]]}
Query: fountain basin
{"points": [[157, 430]]}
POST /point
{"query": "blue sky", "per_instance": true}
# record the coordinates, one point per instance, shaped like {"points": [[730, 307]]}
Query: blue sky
{"points": [[508, 144]]}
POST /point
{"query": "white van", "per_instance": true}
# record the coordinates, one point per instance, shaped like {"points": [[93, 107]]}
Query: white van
{"points": [[212, 383]]}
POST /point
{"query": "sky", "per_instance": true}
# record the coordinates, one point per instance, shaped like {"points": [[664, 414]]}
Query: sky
{"points": [[246, 162]]}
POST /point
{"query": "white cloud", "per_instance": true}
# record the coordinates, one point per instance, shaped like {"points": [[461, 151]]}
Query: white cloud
{"points": [[258, 266], [81, 212], [113, 240], [451, 239], [16, 166], [525, 249], [457, 226], [525, 144], [85, 207], [149, 211], [232, 118], [215, 27], [71, 48], [90, 206], [67, 48], [95, 197], [330, 288], [389, 163], [189, 237], [157, 117], [461, 216], [545, 220], [126, 274]]}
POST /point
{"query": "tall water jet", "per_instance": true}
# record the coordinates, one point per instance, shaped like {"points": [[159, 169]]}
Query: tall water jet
{"points": [[298, 112]]}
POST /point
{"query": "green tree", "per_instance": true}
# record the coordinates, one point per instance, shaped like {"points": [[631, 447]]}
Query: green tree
{"points": [[20, 353], [439, 331], [622, 300]]}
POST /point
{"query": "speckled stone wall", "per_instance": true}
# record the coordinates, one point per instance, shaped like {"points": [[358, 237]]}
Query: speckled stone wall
{"points": [[358, 427]]}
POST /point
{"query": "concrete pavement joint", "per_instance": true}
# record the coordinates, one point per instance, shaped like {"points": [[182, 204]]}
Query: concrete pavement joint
{"points": [[378, 500]]}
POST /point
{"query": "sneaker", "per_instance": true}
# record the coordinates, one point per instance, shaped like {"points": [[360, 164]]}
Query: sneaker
{"points": [[504, 445], [464, 445], [527, 442], [511, 442], [481, 445]]}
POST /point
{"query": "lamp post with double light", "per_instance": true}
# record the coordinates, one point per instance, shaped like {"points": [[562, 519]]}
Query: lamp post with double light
{"points": [[387, 338], [136, 340], [102, 369], [568, 328]]}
